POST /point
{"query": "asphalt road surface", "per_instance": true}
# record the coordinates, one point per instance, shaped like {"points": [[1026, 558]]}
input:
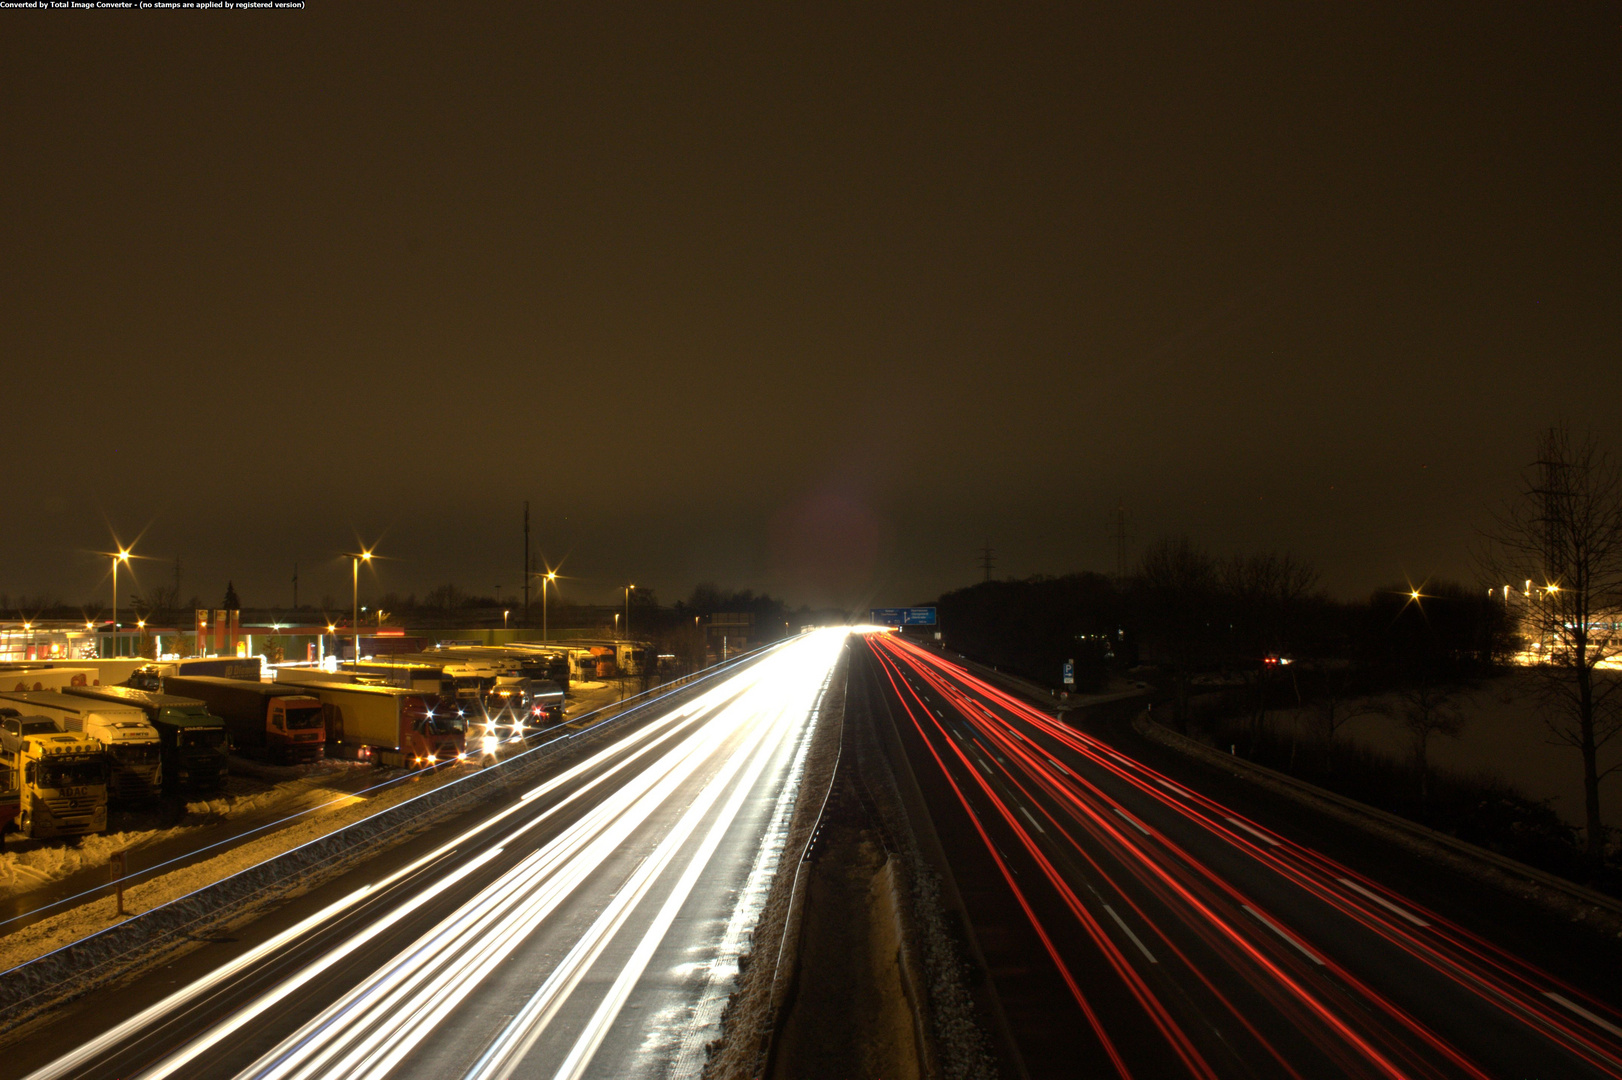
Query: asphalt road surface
{"points": [[586, 925], [1136, 927]]}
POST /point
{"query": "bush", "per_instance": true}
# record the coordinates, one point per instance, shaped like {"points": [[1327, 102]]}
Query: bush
{"points": [[1482, 810]]}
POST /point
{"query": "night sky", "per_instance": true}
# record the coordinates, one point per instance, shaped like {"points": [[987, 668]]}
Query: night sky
{"points": [[812, 300]]}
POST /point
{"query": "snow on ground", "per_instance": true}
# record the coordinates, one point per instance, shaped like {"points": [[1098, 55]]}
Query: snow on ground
{"points": [[338, 787], [52, 933], [1503, 736], [26, 864]]}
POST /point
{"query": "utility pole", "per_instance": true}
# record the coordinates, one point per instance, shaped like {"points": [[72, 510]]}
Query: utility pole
{"points": [[295, 586], [526, 562], [988, 559]]}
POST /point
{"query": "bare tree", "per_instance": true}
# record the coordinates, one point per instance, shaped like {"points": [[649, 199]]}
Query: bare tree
{"points": [[1176, 586], [1428, 710], [1560, 542], [1263, 595], [1335, 708]]}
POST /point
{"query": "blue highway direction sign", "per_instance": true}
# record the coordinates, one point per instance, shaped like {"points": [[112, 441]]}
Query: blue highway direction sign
{"points": [[903, 616]]}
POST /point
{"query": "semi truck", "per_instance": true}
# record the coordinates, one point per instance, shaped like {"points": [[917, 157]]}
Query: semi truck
{"points": [[56, 780], [32, 677], [415, 675], [387, 725], [195, 744], [134, 751], [150, 675], [106, 672], [281, 723], [526, 660]]}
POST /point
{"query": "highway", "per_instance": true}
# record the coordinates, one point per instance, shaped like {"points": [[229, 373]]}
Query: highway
{"points": [[1135, 927], [585, 925]]}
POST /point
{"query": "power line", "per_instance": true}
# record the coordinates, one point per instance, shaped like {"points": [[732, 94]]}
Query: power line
{"points": [[988, 559]]}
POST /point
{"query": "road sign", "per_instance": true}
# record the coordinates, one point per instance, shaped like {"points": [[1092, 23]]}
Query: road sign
{"points": [[1069, 672], [903, 616]]}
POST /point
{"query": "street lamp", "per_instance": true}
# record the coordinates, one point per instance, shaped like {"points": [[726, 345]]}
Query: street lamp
{"points": [[504, 615], [551, 576], [628, 589], [123, 555], [363, 556]]}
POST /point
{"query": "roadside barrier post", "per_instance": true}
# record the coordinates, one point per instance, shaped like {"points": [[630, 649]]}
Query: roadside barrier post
{"points": [[120, 865]]}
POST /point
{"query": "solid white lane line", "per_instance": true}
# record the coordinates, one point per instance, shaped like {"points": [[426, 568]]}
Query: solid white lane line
{"points": [[1281, 932], [1257, 833], [1383, 902], [1561, 999], [1127, 930], [1134, 822]]}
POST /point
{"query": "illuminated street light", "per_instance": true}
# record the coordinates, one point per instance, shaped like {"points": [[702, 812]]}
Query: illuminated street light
{"points": [[364, 555], [122, 555], [504, 615], [550, 577], [628, 589]]}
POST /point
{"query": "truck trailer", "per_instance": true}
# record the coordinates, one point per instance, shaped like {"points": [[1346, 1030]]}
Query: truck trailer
{"points": [[280, 723], [150, 675], [105, 672], [56, 780], [134, 751], [387, 725], [196, 747], [24, 677]]}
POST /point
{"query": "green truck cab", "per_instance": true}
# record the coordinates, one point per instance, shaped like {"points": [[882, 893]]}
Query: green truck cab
{"points": [[196, 745]]}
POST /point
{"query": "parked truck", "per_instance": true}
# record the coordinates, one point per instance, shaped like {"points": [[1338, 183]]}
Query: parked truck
{"points": [[106, 672], [55, 779], [195, 744], [134, 751], [387, 725], [21, 678], [150, 675], [281, 723]]}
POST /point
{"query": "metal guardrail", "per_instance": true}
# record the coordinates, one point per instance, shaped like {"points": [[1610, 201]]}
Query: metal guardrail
{"points": [[1360, 813], [119, 950], [783, 983]]}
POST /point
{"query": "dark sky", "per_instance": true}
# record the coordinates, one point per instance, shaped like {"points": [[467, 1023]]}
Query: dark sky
{"points": [[815, 301]]}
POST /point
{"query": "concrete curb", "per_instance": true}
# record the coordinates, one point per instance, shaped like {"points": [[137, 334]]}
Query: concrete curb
{"points": [[1568, 900]]}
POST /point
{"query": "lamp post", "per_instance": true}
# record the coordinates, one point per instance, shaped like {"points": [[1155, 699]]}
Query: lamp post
{"points": [[365, 556], [504, 613], [123, 555], [551, 576], [628, 589]]}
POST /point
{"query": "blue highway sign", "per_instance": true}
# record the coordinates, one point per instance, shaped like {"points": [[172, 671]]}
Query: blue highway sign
{"points": [[903, 616]]}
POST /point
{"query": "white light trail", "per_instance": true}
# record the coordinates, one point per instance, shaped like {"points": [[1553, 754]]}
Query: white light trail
{"points": [[654, 762]]}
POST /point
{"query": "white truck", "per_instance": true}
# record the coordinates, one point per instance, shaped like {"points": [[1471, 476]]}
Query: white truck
{"points": [[130, 742], [20, 678]]}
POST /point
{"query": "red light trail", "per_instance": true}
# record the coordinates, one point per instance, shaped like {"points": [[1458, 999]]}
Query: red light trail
{"points": [[1074, 831]]}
